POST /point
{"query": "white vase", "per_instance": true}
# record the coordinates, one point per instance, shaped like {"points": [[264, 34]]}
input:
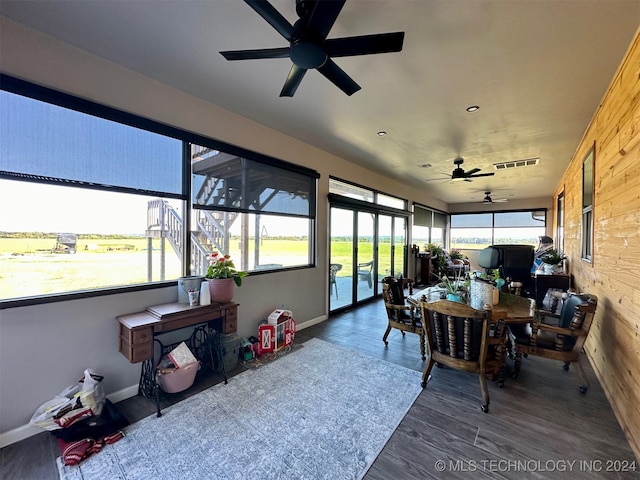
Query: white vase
{"points": [[205, 294]]}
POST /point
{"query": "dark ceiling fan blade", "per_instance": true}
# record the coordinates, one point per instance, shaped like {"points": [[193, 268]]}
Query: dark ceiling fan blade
{"points": [[477, 175], [364, 44], [324, 15], [272, 16], [473, 171], [293, 80], [339, 77], [282, 52]]}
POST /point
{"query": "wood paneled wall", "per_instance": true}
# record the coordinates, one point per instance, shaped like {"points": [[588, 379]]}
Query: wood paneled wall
{"points": [[613, 346]]}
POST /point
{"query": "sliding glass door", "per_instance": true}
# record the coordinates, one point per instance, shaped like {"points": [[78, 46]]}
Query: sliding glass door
{"points": [[341, 262], [365, 246]]}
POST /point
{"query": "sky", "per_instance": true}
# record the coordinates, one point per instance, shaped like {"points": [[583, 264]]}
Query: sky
{"points": [[33, 207]]}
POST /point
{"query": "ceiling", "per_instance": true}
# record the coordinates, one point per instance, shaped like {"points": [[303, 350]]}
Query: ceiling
{"points": [[537, 69]]}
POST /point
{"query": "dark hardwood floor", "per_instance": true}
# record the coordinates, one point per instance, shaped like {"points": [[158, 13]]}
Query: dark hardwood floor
{"points": [[539, 426]]}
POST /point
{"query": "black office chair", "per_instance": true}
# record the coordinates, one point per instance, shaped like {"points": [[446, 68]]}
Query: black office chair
{"points": [[514, 263]]}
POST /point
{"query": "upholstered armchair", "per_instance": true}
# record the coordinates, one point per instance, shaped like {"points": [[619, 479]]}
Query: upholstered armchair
{"points": [[401, 315], [557, 336], [460, 337]]}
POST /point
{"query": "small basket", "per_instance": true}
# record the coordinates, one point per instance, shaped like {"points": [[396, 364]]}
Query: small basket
{"points": [[174, 381]]}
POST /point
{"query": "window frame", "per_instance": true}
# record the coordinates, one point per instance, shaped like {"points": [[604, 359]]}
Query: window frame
{"points": [[493, 226], [47, 95], [587, 214]]}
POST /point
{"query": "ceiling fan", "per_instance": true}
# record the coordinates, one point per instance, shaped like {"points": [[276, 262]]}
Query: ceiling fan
{"points": [[308, 45], [459, 174], [488, 199]]}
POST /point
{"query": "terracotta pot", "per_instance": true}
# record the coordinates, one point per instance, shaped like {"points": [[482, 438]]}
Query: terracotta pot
{"points": [[222, 289]]}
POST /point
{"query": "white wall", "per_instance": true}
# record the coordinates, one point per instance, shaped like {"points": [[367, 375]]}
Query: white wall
{"points": [[44, 348]]}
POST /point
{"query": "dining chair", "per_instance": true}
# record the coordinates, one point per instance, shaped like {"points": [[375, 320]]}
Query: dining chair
{"points": [[334, 268], [400, 314], [460, 337], [365, 272], [557, 336]]}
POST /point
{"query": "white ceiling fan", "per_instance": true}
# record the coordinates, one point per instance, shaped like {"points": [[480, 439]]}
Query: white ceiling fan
{"points": [[488, 199]]}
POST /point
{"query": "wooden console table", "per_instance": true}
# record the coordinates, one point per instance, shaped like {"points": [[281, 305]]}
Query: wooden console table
{"points": [[138, 332]]}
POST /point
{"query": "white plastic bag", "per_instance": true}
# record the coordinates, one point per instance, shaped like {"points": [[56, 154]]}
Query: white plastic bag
{"points": [[44, 416], [91, 393], [72, 404]]}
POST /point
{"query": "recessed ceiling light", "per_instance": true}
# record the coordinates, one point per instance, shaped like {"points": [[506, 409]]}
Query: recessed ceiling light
{"points": [[381, 133], [473, 108]]}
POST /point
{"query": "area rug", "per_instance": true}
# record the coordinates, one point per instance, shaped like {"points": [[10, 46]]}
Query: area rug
{"points": [[321, 412]]}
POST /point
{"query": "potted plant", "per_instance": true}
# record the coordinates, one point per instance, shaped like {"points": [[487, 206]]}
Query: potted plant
{"points": [[552, 260], [438, 259], [223, 277]]}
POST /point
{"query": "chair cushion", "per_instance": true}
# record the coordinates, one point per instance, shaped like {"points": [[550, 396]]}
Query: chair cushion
{"points": [[569, 309], [489, 258]]}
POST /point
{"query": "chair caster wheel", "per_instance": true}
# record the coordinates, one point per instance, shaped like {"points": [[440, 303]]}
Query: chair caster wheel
{"points": [[514, 375], [583, 389], [501, 384], [485, 408], [565, 367]]}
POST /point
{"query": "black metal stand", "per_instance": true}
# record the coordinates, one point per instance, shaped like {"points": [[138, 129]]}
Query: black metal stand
{"points": [[203, 341]]}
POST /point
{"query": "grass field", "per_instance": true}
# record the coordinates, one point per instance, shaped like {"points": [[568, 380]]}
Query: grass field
{"points": [[29, 268]]}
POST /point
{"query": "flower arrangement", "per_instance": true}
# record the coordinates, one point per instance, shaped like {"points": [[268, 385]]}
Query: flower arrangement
{"points": [[221, 266]]}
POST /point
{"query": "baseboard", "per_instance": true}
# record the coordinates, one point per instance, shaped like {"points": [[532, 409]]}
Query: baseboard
{"points": [[26, 431], [310, 323]]}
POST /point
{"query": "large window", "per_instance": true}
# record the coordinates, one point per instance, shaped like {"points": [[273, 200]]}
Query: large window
{"points": [[479, 230], [428, 227], [260, 214], [587, 204], [93, 198], [560, 223], [357, 192]]}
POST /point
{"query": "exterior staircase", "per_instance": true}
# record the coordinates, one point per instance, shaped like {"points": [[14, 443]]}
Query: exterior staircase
{"points": [[164, 222]]}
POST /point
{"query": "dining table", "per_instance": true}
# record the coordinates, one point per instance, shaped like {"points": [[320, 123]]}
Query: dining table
{"points": [[510, 309]]}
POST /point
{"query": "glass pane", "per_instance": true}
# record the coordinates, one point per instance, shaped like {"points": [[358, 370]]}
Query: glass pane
{"points": [[88, 239], [517, 219], [384, 246], [420, 236], [587, 181], [560, 224], [470, 238], [398, 247], [472, 220], [50, 141], [422, 217], [517, 236], [256, 242], [341, 263], [437, 236], [439, 220], [365, 261], [223, 180], [351, 191], [390, 201]]}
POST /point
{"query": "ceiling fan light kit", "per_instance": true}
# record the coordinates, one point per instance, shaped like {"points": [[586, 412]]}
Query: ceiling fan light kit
{"points": [[489, 199], [459, 175], [308, 45]]}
